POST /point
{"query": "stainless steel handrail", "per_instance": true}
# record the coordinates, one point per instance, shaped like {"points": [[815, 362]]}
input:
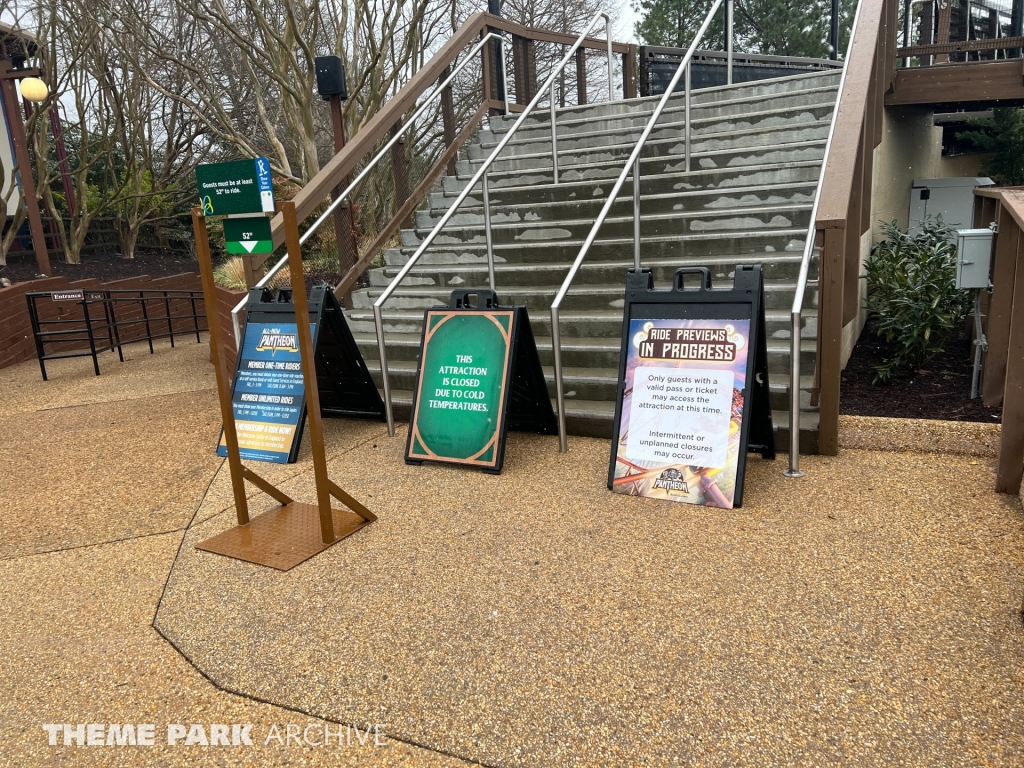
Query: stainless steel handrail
{"points": [[499, 36], [793, 470], [481, 174], [632, 165]]}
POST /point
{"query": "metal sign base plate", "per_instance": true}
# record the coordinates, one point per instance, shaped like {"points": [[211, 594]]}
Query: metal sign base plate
{"points": [[283, 537]]}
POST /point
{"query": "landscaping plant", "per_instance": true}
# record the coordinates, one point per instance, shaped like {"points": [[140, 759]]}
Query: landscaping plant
{"points": [[912, 294]]}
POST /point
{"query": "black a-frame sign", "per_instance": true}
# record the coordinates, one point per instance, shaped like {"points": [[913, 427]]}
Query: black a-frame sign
{"points": [[693, 395], [478, 375], [268, 394]]}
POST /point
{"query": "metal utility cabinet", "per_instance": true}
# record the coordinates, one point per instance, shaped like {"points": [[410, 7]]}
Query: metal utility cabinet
{"points": [[952, 199]]}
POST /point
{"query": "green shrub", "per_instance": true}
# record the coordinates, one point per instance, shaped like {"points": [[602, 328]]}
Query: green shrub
{"points": [[912, 294]]}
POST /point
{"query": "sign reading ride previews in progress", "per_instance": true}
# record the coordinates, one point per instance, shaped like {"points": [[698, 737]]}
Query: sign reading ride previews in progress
{"points": [[463, 401], [689, 365]]}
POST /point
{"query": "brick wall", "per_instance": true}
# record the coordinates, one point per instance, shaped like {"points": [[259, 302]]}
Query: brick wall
{"points": [[17, 344]]}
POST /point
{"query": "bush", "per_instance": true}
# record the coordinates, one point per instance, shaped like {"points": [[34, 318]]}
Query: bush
{"points": [[912, 294]]}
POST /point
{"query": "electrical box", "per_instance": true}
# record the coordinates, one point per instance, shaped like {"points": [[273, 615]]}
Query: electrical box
{"points": [[952, 199], [973, 257]]}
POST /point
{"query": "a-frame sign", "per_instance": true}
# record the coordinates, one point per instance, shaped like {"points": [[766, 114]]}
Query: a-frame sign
{"points": [[693, 394], [478, 376], [268, 396]]}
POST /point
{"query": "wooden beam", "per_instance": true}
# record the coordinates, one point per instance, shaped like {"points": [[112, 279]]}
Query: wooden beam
{"points": [[991, 44], [1000, 307], [1011, 442], [964, 82], [830, 339]]}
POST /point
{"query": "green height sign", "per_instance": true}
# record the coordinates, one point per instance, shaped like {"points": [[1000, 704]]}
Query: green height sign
{"points": [[240, 186], [460, 393], [248, 235]]}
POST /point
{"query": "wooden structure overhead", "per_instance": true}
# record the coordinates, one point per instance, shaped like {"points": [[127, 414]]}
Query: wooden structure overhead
{"points": [[970, 82]]}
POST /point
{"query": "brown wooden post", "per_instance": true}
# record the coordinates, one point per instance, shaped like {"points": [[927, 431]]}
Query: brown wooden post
{"points": [[344, 218], [1004, 276], [316, 427], [581, 76], [524, 65], [830, 337], [9, 96], [220, 370], [851, 264], [448, 117], [400, 164], [629, 73], [1011, 443]]}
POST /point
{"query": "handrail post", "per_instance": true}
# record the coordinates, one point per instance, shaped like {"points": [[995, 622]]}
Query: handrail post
{"points": [[794, 401], [608, 36], [636, 213], [554, 136], [556, 348], [487, 230], [686, 119], [728, 41], [382, 351]]}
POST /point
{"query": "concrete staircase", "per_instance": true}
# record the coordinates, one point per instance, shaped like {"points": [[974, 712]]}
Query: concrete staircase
{"points": [[756, 151]]}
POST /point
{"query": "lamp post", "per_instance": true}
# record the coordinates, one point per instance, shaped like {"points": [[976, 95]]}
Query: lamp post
{"points": [[35, 90]]}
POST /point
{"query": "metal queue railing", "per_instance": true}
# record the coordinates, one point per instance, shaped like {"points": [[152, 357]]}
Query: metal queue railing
{"points": [[480, 177], [406, 126], [633, 166], [104, 334]]}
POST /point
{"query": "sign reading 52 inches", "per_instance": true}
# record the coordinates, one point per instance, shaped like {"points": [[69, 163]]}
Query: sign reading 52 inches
{"points": [[239, 186]]}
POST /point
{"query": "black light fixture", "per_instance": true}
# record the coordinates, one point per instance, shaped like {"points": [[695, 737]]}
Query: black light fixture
{"points": [[330, 77]]}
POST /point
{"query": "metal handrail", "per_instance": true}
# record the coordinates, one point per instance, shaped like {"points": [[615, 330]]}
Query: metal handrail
{"points": [[793, 470], [499, 36], [632, 165], [481, 174]]}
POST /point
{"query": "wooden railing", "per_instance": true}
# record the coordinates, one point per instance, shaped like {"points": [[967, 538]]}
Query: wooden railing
{"points": [[318, 189], [844, 212], [1003, 371]]}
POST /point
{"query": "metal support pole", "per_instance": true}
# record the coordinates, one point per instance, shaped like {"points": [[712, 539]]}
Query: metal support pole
{"points": [[636, 213], [980, 344], [794, 404], [554, 136], [686, 119], [487, 231], [906, 29], [556, 348], [833, 33], [728, 41], [611, 82]]}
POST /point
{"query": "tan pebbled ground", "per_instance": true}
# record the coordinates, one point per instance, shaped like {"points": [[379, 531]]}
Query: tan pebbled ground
{"points": [[865, 615]]}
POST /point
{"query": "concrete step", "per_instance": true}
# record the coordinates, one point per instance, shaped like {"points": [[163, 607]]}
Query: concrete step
{"points": [[704, 120], [705, 245], [778, 294], [520, 171], [722, 179], [600, 323], [781, 266], [729, 149], [761, 217], [665, 202], [705, 132], [775, 91]]}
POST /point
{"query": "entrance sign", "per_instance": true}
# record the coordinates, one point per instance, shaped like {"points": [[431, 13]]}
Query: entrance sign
{"points": [[67, 295], [250, 234], [269, 399], [479, 373], [693, 389], [239, 186]]}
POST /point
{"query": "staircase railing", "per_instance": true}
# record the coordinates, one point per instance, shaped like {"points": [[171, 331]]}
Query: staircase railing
{"points": [[320, 188], [481, 177], [633, 165], [395, 139], [793, 470]]}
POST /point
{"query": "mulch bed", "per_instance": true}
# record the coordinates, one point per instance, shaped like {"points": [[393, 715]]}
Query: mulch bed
{"points": [[103, 267], [940, 390]]}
